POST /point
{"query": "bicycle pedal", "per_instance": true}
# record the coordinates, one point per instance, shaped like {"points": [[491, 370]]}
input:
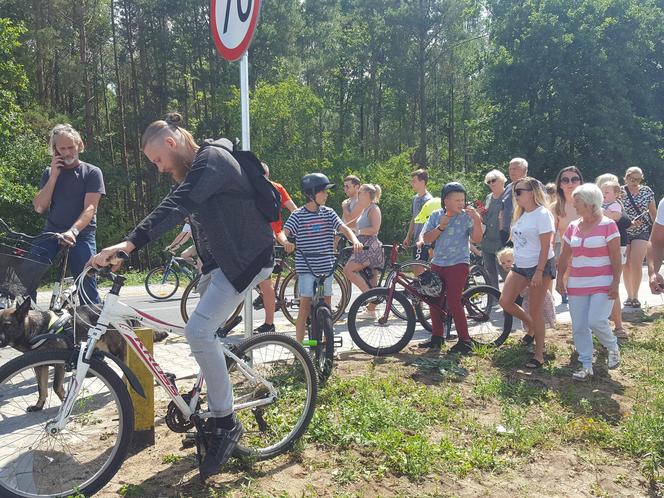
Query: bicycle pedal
{"points": [[338, 342]]}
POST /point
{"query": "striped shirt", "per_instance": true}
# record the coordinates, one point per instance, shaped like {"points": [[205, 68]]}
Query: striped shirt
{"points": [[314, 233], [591, 271]]}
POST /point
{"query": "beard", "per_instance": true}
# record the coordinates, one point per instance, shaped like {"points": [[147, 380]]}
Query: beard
{"points": [[69, 161]]}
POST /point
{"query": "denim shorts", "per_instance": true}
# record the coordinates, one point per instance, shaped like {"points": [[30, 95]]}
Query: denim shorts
{"points": [[529, 273], [644, 235], [306, 285]]}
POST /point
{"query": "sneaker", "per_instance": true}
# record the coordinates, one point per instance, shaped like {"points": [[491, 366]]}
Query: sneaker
{"points": [[565, 299], [462, 348], [582, 374], [367, 314], [614, 359], [435, 343], [258, 303], [620, 333], [220, 446], [265, 328]]}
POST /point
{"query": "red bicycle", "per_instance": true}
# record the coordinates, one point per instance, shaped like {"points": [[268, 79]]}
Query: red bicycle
{"points": [[391, 326]]}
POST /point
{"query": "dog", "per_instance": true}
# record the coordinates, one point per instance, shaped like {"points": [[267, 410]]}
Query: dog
{"points": [[20, 325]]}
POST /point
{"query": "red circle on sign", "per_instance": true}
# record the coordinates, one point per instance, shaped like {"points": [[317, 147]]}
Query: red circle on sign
{"points": [[233, 54]]}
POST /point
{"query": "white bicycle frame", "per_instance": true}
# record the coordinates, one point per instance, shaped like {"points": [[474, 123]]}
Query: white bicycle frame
{"points": [[116, 314]]}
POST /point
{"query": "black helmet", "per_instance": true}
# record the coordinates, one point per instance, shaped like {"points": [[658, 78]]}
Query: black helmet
{"points": [[429, 284], [451, 188], [315, 182]]}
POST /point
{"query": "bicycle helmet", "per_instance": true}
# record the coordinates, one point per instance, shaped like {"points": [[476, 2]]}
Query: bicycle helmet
{"points": [[451, 188], [429, 284], [313, 183]]}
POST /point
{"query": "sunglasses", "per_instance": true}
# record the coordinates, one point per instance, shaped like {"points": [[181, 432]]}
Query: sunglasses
{"points": [[492, 181], [567, 179], [519, 191], [635, 178]]}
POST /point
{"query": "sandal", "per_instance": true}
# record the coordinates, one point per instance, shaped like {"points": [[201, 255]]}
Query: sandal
{"points": [[534, 364], [527, 340], [636, 303], [627, 303]]}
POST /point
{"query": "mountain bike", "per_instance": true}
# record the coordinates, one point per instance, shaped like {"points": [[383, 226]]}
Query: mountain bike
{"points": [[79, 440], [162, 282], [388, 333], [320, 326]]}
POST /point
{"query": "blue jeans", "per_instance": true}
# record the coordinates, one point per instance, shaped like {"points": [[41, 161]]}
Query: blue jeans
{"points": [[590, 315], [79, 254]]}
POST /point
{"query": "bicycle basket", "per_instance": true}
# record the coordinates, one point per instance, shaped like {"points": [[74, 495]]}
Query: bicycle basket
{"points": [[20, 270], [429, 284]]}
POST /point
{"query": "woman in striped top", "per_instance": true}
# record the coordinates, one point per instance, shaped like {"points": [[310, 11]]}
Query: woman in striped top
{"points": [[592, 242]]}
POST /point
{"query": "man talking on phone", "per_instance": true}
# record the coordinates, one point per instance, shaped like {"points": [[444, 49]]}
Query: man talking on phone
{"points": [[69, 194], [655, 253]]}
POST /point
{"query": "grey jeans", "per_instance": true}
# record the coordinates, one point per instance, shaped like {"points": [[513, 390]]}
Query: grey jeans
{"points": [[218, 300]]}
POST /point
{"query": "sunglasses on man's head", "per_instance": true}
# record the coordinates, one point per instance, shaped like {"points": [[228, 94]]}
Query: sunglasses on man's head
{"points": [[573, 179], [519, 191]]}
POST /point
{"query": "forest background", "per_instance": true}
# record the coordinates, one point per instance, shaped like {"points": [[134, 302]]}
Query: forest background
{"points": [[371, 87]]}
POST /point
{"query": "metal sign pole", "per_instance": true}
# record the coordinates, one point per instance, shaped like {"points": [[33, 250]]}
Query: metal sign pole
{"points": [[246, 145]]}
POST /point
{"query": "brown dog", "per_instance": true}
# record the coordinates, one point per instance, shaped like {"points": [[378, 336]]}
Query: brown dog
{"points": [[20, 325]]}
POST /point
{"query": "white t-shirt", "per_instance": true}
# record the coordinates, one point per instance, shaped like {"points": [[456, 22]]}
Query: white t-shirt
{"points": [[186, 228], [526, 233], [660, 213]]}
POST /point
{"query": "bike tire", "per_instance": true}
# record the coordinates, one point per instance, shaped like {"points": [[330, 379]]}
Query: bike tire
{"points": [[363, 331], [297, 389], [289, 299], [189, 300], [323, 352], [477, 275], [480, 304], [18, 385], [423, 314], [158, 287]]}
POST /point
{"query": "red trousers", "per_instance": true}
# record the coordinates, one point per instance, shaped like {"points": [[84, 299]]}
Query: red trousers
{"points": [[454, 278]]}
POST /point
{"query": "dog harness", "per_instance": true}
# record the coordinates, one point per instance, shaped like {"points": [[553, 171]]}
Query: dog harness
{"points": [[56, 325]]}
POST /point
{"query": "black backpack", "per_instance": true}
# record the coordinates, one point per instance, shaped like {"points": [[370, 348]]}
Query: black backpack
{"points": [[268, 198]]}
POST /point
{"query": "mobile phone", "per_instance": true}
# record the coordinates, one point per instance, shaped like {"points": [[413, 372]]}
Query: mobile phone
{"points": [[479, 205]]}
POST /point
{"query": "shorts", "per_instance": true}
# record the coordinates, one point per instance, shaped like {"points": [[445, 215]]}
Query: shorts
{"points": [[529, 273], [421, 253], [643, 235], [306, 283]]}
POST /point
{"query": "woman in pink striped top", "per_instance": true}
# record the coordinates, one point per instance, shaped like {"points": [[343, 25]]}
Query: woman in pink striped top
{"points": [[592, 242]]}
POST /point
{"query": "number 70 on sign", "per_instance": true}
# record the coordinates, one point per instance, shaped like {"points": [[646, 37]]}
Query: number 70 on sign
{"points": [[233, 23]]}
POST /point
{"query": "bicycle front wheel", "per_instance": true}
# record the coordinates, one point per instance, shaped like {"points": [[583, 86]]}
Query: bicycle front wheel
{"points": [[272, 429], [382, 331], [289, 296], [322, 332], [487, 322], [82, 457], [162, 282]]}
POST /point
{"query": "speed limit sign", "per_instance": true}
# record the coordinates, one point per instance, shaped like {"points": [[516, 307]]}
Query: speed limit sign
{"points": [[233, 23]]}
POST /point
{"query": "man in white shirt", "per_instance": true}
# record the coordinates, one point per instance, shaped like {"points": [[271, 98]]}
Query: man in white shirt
{"points": [[655, 253]]}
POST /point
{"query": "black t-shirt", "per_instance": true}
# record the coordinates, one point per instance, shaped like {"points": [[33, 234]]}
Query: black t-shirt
{"points": [[69, 195]]}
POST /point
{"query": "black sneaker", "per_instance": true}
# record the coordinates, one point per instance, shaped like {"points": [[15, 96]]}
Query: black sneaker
{"points": [[434, 343], [265, 328], [462, 348], [220, 446], [258, 303]]}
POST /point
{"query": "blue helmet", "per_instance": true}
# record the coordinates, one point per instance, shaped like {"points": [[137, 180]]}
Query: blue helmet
{"points": [[450, 188]]}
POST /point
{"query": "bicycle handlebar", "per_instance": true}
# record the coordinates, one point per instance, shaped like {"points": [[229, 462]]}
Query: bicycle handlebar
{"points": [[337, 255], [25, 236]]}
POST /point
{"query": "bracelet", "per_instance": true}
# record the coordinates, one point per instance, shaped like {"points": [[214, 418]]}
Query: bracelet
{"points": [[440, 229]]}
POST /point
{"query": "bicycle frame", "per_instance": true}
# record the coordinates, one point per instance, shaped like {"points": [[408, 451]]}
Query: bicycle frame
{"points": [[407, 284], [115, 313]]}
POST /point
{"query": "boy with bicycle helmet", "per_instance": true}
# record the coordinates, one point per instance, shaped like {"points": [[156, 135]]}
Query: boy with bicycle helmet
{"points": [[313, 226], [451, 227]]}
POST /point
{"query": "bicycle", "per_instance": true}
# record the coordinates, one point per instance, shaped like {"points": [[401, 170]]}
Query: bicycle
{"points": [[163, 281], [320, 326], [388, 334], [80, 439], [285, 289]]}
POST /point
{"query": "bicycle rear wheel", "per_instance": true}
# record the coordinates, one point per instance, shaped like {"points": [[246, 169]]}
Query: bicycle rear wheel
{"points": [[477, 275], [87, 453], [162, 282], [386, 332], [273, 429], [191, 297], [289, 297], [487, 322]]}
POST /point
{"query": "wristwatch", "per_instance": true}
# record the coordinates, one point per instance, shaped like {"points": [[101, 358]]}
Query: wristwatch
{"points": [[75, 231]]}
